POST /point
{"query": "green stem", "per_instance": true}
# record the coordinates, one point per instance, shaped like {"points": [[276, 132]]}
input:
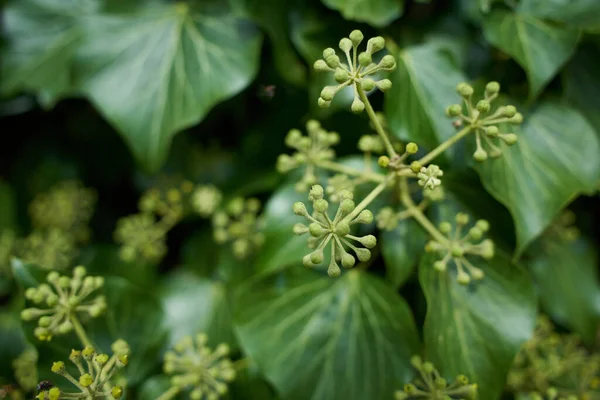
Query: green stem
{"points": [[375, 121], [80, 331], [333, 166], [417, 214], [444, 146], [370, 197], [169, 394]]}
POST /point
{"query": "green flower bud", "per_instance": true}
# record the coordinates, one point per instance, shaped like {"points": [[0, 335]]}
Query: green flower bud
{"points": [[327, 93], [88, 352], [79, 272], [439, 266], [333, 270], [345, 45], [356, 37], [388, 62], [323, 104], [348, 260], [316, 192], [428, 367], [412, 148], [45, 321], [383, 161], [65, 327], [307, 262], [122, 360], [509, 138], [415, 166], [477, 274], [316, 230], [53, 277], [384, 84], [462, 380], [365, 217], [487, 249], [86, 380], [116, 392], [454, 110], [464, 89], [475, 233], [375, 44], [368, 84], [332, 61], [492, 88], [321, 205], [480, 155], [445, 227], [328, 52], [101, 359], [341, 75], [462, 218], [510, 111], [365, 59], [28, 314], [409, 388], [58, 367], [363, 254], [54, 393], [64, 282], [483, 106], [416, 361], [300, 229], [342, 228], [463, 278], [368, 241], [495, 153], [347, 206], [492, 131], [316, 257], [346, 195], [321, 66], [357, 105], [468, 392], [482, 225], [517, 119], [457, 251], [299, 208]]}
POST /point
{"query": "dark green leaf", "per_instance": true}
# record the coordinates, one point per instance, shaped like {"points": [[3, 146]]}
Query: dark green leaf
{"points": [[567, 276], [478, 329], [8, 207], [545, 170], [424, 84], [540, 48], [577, 13], [160, 70], [193, 305], [152, 388], [28, 275], [378, 13], [347, 338], [401, 249], [13, 341]]}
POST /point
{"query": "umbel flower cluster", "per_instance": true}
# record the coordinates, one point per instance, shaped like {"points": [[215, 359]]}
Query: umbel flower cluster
{"points": [[62, 301], [335, 232], [556, 366], [399, 167], [94, 373], [432, 386], [195, 367]]}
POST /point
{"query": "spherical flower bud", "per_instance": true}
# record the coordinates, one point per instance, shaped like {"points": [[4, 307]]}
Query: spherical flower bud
{"points": [[101, 359], [333, 270], [79, 272], [54, 393], [462, 218], [357, 105], [347, 206], [88, 352], [65, 327], [492, 88], [483, 106], [428, 367], [332, 61], [463, 278], [116, 392], [316, 257], [323, 104], [517, 119], [58, 367], [356, 37], [375, 44], [363, 255], [482, 225], [492, 131], [409, 388], [388, 62], [412, 148], [316, 192], [368, 84], [64, 282], [477, 274], [45, 321], [365, 217], [416, 361], [480, 155], [457, 251], [345, 45], [415, 166], [300, 229], [316, 230], [327, 93], [299, 208], [321, 66], [341, 75], [86, 380], [320, 205], [53, 277], [122, 360], [439, 266], [346, 195], [364, 59], [475, 233], [509, 138], [384, 84], [383, 161], [328, 52], [510, 111], [28, 314], [487, 249], [342, 228], [368, 241], [464, 89], [445, 227], [454, 110], [348, 260], [307, 262]]}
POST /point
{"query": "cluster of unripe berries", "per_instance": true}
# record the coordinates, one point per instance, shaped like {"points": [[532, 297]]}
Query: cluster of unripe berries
{"points": [[239, 224], [62, 299], [355, 69], [484, 121], [335, 232]]}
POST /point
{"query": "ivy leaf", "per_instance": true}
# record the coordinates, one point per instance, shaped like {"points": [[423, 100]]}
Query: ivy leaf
{"points": [[157, 71], [578, 13], [567, 276], [477, 330], [42, 37], [540, 48], [401, 249], [348, 338], [415, 106], [377, 13], [582, 83], [193, 305], [282, 247], [545, 170]]}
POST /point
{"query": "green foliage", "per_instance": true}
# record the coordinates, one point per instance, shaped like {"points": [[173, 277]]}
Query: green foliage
{"points": [[300, 199]]}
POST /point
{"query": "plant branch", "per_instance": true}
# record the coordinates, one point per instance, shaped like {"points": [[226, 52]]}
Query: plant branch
{"points": [[444, 146], [169, 394], [370, 197], [79, 330], [375, 121], [337, 167]]}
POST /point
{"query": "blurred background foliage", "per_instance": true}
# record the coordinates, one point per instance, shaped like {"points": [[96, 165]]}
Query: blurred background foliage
{"points": [[118, 94]]}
